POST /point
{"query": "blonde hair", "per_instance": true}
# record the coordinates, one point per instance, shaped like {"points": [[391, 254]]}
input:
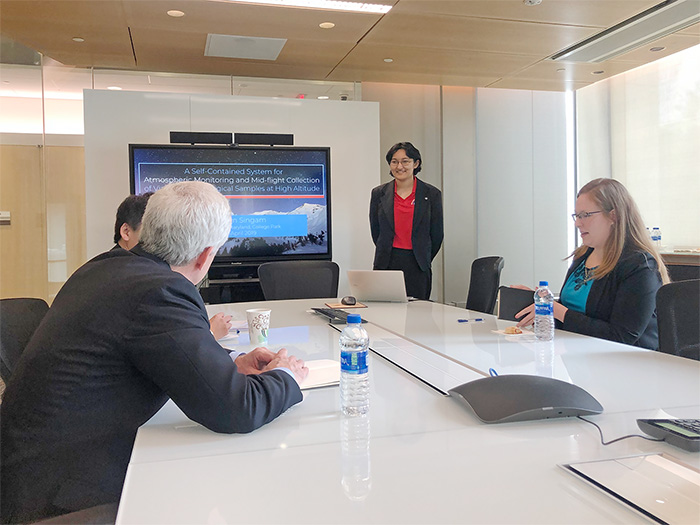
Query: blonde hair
{"points": [[628, 227]]}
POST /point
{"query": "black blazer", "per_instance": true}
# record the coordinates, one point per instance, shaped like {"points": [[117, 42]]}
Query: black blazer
{"points": [[622, 305], [428, 228], [124, 334]]}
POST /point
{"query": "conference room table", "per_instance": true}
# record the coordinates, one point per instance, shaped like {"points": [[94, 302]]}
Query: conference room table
{"points": [[420, 456]]}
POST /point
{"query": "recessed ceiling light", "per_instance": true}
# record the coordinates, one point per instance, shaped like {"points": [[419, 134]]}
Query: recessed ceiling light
{"points": [[78, 39], [176, 13], [326, 25], [332, 5], [323, 97], [599, 72], [388, 60], [115, 88], [532, 2], [657, 48]]}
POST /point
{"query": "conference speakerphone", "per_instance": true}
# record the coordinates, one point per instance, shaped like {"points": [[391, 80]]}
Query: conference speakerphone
{"points": [[681, 433]]}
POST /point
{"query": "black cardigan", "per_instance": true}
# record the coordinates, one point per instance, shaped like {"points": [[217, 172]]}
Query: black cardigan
{"points": [[621, 306]]}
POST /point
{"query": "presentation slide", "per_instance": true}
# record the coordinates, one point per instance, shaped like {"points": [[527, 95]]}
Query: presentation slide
{"points": [[278, 196]]}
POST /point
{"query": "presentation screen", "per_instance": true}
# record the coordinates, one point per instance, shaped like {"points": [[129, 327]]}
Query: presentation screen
{"points": [[279, 196]]}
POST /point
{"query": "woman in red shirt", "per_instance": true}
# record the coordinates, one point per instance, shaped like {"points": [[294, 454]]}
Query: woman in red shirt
{"points": [[405, 217]]}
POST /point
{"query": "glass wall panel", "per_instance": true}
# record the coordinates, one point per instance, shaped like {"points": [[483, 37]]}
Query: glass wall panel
{"points": [[643, 128]]}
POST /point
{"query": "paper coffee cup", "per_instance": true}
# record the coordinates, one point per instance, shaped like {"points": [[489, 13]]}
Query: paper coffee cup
{"points": [[258, 325]]}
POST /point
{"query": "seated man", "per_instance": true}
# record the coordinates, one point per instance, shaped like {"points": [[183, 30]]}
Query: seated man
{"points": [[126, 332], [127, 227]]}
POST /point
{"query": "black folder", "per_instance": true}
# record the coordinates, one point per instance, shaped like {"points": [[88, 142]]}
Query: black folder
{"points": [[512, 300]]}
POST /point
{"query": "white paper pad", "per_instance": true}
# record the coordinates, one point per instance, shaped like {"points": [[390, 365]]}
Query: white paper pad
{"points": [[322, 372]]}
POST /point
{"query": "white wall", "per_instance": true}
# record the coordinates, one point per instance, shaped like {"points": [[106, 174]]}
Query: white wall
{"points": [[459, 189], [521, 183], [412, 113], [114, 119]]}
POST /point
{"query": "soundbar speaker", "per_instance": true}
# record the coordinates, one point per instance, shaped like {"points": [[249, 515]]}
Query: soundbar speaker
{"points": [[269, 139], [197, 137]]}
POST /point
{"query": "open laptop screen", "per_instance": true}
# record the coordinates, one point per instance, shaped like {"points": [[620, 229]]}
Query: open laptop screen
{"points": [[377, 285]]}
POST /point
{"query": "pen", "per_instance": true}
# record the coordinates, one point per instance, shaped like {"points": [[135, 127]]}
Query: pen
{"points": [[477, 320]]}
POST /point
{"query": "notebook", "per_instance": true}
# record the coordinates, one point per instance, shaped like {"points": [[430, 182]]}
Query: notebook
{"points": [[377, 285]]}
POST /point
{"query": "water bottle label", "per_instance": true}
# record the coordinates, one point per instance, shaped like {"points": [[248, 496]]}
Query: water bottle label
{"points": [[544, 309], [353, 362]]}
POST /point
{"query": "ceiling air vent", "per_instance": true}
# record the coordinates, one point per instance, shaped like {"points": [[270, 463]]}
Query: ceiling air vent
{"points": [[234, 46], [652, 24]]}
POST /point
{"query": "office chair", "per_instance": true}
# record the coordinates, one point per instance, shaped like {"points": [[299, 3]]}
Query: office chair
{"points": [[299, 279], [19, 318], [483, 285], [678, 311], [100, 515]]}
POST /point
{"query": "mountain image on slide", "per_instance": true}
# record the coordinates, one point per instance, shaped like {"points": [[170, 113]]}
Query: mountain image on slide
{"points": [[315, 241]]}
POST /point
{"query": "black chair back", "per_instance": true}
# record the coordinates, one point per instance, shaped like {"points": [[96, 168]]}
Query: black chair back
{"points": [[678, 311], [19, 318], [483, 284], [299, 279]]}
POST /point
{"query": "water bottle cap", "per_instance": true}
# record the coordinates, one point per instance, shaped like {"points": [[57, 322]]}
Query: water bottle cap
{"points": [[544, 283], [354, 319]]}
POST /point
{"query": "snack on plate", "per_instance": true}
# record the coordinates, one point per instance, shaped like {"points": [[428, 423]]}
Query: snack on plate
{"points": [[513, 330]]}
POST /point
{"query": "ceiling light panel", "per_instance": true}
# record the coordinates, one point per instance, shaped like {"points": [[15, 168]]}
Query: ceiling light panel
{"points": [[331, 5]]}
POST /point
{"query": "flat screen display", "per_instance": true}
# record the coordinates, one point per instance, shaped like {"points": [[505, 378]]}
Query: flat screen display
{"points": [[279, 196]]}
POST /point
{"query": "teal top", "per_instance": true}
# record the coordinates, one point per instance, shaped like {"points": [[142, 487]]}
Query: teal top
{"points": [[574, 294]]}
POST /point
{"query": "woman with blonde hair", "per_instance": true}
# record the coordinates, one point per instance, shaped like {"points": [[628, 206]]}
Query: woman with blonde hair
{"points": [[610, 288]]}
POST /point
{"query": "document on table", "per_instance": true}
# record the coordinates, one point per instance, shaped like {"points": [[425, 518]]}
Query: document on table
{"points": [[322, 372], [659, 486]]}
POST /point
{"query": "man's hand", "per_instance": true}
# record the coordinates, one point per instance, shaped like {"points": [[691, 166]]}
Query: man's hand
{"points": [[282, 360], [254, 362], [220, 324]]}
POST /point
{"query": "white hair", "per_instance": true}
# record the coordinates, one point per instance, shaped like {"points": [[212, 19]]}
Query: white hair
{"points": [[182, 220]]}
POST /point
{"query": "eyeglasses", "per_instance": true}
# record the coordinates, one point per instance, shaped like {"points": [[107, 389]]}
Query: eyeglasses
{"points": [[404, 162], [584, 214]]}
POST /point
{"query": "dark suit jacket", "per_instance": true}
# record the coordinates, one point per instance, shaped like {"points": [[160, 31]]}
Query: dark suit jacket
{"points": [[428, 229], [123, 335], [622, 305]]}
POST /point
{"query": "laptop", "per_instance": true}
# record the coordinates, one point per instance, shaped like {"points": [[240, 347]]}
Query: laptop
{"points": [[377, 285]]}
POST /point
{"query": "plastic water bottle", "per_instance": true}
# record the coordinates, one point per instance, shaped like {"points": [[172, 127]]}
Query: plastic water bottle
{"points": [[354, 374], [544, 312], [354, 438], [656, 237]]}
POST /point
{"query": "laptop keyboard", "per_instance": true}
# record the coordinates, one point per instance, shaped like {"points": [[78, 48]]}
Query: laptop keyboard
{"points": [[334, 315]]}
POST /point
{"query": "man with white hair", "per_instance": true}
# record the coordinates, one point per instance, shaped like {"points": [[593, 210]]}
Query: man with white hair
{"points": [[126, 332]]}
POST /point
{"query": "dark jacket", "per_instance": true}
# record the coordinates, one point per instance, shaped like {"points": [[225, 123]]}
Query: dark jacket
{"points": [[124, 334], [622, 305], [428, 229]]}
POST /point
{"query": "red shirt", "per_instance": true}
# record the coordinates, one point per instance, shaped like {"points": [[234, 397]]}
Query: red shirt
{"points": [[403, 219]]}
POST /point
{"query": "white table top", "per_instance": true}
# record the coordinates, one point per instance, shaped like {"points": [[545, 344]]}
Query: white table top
{"points": [[428, 459]]}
